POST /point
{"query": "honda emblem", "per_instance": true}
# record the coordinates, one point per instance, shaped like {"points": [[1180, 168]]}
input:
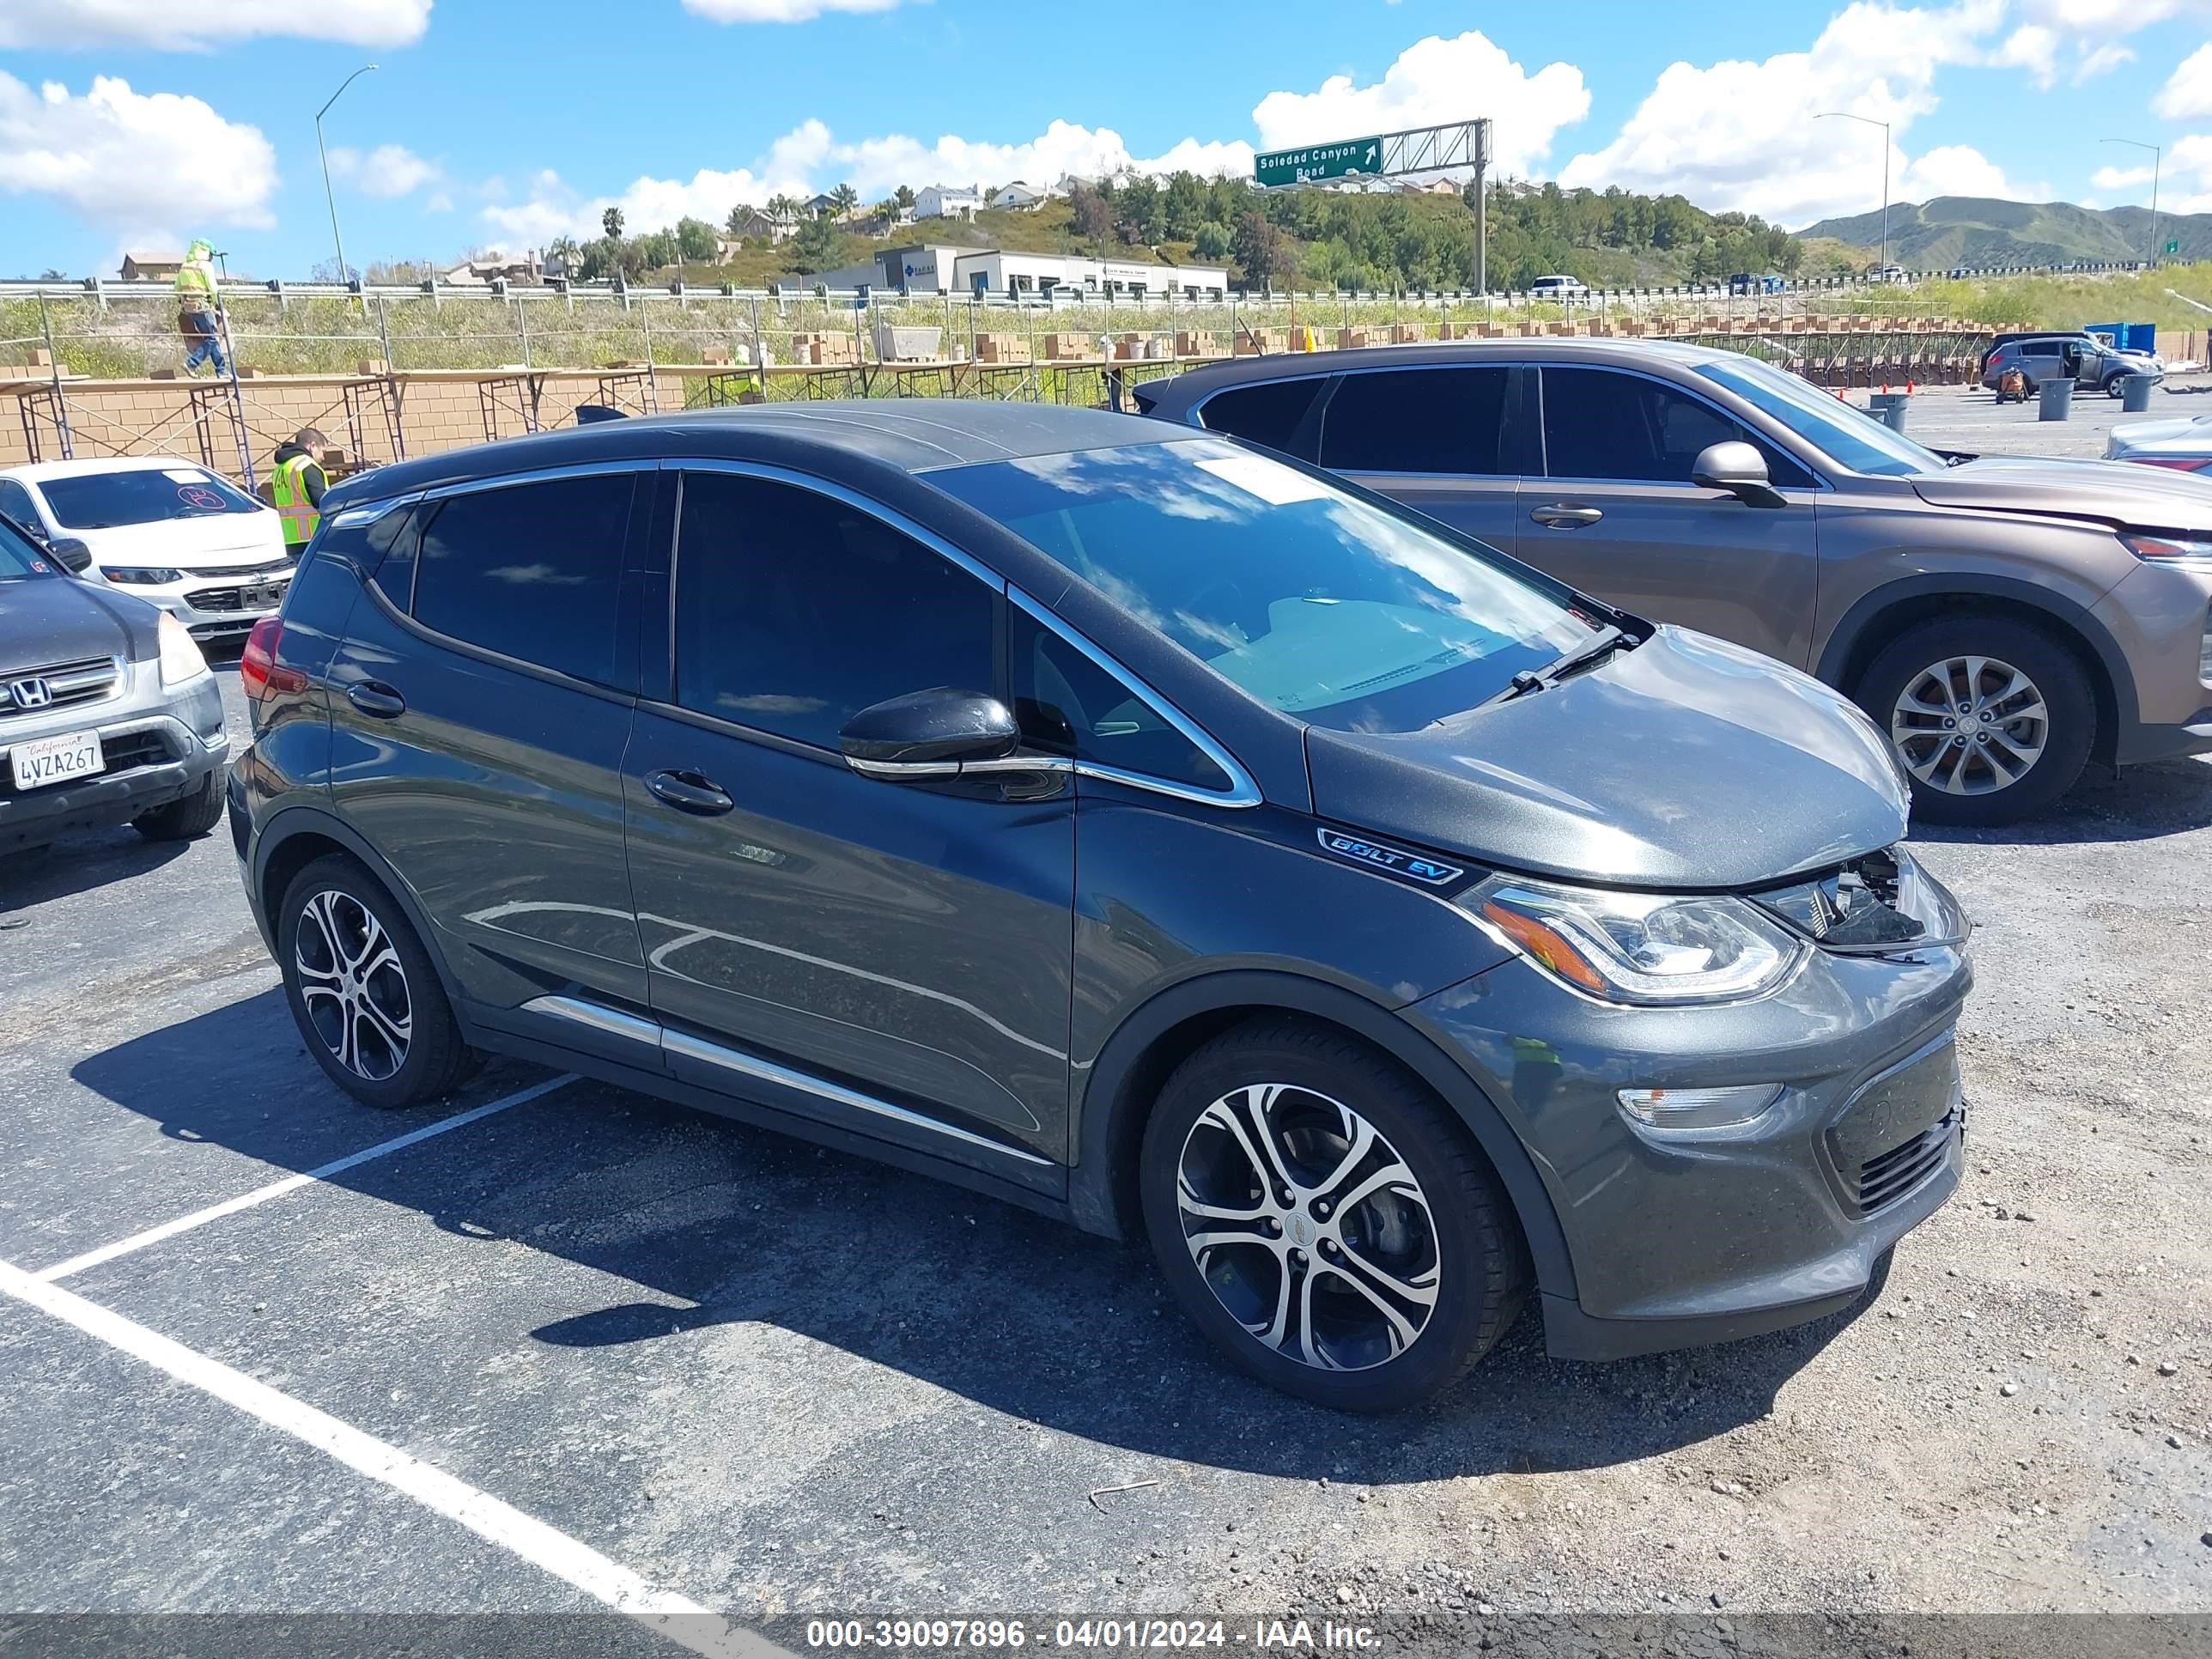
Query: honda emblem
{"points": [[30, 693]]}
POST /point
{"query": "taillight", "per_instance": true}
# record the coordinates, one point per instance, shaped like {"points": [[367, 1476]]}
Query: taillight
{"points": [[259, 671], [2176, 462]]}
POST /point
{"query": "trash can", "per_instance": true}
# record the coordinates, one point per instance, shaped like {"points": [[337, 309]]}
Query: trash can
{"points": [[2135, 393], [2055, 399], [1888, 407]]}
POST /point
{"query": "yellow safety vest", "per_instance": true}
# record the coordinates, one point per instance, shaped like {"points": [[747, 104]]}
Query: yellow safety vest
{"points": [[195, 288], [288, 493]]}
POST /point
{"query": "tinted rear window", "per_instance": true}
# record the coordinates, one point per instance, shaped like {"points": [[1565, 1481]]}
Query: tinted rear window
{"points": [[531, 571], [104, 500], [1269, 413], [1416, 419]]}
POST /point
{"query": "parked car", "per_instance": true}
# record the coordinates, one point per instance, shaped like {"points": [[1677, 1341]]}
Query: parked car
{"points": [[1745, 283], [2183, 443], [1408, 971], [1557, 287], [166, 529], [108, 713], [2004, 620], [2093, 363], [1891, 274]]}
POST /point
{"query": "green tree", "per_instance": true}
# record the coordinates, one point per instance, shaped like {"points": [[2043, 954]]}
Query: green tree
{"points": [[903, 196], [815, 246], [1089, 213], [612, 222], [1212, 240], [1261, 250], [695, 241], [654, 250], [845, 198], [735, 224], [1141, 208]]}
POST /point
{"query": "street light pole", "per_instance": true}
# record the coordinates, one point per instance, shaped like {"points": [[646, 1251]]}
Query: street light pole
{"points": [[2156, 157], [1846, 115], [329, 194]]}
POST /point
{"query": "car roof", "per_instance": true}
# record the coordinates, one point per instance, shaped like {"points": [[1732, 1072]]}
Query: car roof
{"points": [[1303, 365], [33, 472], [915, 434]]}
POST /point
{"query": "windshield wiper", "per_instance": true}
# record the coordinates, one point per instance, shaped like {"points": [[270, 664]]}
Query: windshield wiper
{"points": [[1607, 641]]}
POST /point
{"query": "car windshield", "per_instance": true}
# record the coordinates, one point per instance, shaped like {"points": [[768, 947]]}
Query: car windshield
{"points": [[107, 500], [1847, 436], [20, 559], [1302, 594]]}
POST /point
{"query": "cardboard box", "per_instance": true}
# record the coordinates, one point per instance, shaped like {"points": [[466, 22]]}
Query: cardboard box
{"points": [[717, 355], [1407, 334], [372, 368], [1261, 342], [1068, 348], [1002, 349], [1196, 342], [1351, 339]]}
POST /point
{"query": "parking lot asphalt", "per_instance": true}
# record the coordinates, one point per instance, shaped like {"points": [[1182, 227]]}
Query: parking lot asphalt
{"points": [[722, 1368]]}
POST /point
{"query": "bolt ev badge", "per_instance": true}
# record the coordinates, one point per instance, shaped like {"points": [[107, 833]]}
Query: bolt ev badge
{"points": [[1396, 861], [30, 693]]}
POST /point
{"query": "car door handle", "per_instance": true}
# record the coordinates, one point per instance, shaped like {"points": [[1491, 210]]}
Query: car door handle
{"points": [[688, 791], [1560, 516], [375, 697]]}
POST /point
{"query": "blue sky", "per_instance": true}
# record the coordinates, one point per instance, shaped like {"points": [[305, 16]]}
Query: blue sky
{"points": [[139, 123]]}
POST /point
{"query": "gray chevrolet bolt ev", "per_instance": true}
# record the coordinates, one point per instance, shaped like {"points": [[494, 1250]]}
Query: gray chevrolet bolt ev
{"points": [[1137, 827]]}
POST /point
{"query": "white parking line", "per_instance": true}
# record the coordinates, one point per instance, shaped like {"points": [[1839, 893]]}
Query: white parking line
{"points": [[676, 1617], [185, 1223]]}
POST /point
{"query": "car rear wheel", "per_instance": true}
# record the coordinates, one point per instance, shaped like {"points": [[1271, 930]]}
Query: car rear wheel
{"points": [[363, 991], [1325, 1220], [187, 819], [2116, 385], [1992, 718]]}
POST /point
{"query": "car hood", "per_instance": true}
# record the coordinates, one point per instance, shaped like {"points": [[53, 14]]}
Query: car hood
{"points": [[1685, 764], [2195, 429], [219, 542], [43, 622], [2108, 491]]}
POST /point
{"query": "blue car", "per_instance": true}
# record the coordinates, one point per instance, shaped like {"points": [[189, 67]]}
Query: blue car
{"points": [[1744, 282]]}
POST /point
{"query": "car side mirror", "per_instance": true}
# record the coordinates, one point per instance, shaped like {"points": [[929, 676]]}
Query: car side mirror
{"points": [[73, 555], [1738, 468], [929, 734]]}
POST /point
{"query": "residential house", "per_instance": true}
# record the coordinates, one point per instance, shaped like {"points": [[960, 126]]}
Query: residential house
{"points": [[1020, 196], [478, 271], [948, 201], [140, 266], [777, 227]]}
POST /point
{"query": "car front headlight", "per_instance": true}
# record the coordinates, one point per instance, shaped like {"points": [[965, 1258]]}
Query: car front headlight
{"points": [[134, 575], [1645, 949], [181, 660], [2181, 549]]}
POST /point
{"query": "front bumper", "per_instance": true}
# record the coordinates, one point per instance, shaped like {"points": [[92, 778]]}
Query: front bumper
{"points": [[160, 746], [225, 602], [1686, 1238]]}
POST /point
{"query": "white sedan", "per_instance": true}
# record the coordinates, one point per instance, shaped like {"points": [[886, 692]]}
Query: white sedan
{"points": [[2183, 442], [165, 529]]}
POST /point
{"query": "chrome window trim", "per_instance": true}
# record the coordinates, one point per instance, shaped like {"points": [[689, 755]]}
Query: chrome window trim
{"points": [[1795, 449], [537, 475], [614, 1022], [1244, 790], [353, 518]]}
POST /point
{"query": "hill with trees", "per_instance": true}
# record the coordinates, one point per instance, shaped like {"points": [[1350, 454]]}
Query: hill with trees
{"points": [[1977, 231]]}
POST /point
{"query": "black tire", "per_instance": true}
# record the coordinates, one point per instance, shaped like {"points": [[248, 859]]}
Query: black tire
{"points": [[2116, 385], [187, 819], [1465, 1232], [434, 1058], [2069, 705]]}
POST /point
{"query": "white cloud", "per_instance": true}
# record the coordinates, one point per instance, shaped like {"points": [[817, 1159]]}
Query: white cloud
{"points": [[2188, 175], [2107, 178], [182, 23], [2033, 48], [2101, 60], [133, 160], [1433, 82], [777, 11], [1745, 135], [389, 170], [2188, 90], [1962, 170]]}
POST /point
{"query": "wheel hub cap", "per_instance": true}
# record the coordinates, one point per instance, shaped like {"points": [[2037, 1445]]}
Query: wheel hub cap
{"points": [[1307, 1227], [1986, 697], [353, 985]]}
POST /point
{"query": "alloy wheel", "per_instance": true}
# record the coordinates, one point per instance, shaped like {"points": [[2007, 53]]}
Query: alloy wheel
{"points": [[1970, 725], [353, 985], [1307, 1227]]}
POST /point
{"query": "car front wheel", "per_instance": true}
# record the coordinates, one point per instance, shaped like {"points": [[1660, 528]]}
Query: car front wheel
{"points": [[1325, 1219], [363, 990], [1993, 719]]}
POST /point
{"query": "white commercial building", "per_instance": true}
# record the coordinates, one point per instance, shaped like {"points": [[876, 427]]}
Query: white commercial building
{"points": [[998, 272]]}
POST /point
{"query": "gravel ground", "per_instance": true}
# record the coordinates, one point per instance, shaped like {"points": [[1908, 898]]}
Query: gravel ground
{"points": [[782, 1381]]}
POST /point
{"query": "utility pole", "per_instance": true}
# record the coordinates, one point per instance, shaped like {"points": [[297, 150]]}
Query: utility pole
{"points": [[329, 194], [1481, 207], [2156, 157], [1846, 115]]}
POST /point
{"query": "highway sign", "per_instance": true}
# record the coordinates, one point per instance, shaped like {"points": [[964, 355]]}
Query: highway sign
{"points": [[2174, 246], [1313, 162]]}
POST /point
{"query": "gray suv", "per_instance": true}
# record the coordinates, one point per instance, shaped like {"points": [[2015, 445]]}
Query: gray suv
{"points": [[1139, 827], [2093, 364], [2004, 620], [108, 713]]}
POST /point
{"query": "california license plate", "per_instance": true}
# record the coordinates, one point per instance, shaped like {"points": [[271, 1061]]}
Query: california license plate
{"points": [[39, 761]]}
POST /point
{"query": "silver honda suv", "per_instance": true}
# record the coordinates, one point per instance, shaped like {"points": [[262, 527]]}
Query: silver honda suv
{"points": [[108, 713]]}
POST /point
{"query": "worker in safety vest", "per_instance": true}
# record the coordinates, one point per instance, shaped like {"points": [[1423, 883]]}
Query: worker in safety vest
{"points": [[296, 484], [198, 319]]}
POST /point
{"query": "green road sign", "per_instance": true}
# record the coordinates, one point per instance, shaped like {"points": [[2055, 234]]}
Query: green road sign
{"points": [[2174, 246], [1299, 167]]}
